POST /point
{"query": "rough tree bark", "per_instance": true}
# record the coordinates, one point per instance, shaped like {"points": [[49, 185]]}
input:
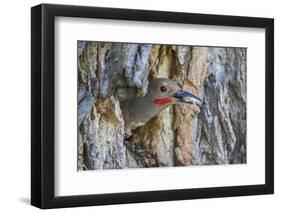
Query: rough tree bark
{"points": [[111, 72]]}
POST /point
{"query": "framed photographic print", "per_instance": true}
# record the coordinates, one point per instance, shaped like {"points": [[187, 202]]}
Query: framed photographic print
{"points": [[139, 106]]}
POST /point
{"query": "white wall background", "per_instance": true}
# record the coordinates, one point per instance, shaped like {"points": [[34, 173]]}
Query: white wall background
{"points": [[15, 105]]}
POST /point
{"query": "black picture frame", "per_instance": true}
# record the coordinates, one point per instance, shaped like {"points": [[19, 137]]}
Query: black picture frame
{"points": [[43, 105]]}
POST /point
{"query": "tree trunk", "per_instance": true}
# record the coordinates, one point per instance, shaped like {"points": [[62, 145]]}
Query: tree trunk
{"points": [[111, 72]]}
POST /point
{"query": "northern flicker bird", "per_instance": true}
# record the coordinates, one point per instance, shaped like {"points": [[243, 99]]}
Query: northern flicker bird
{"points": [[161, 93]]}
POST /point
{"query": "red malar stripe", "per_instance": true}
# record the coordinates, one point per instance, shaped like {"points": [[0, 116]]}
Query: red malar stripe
{"points": [[162, 101]]}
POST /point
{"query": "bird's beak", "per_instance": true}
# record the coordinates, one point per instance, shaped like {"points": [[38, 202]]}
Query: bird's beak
{"points": [[187, 97]]}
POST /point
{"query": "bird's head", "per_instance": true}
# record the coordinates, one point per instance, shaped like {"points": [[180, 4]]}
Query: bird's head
{"points": [[164, 92]]}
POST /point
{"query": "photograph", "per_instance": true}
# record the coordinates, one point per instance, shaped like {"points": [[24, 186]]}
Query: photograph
{"points": [[145, 105], [134, 105]]}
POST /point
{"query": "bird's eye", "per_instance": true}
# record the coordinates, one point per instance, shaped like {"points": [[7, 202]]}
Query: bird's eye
{"points": [[163, 89]]}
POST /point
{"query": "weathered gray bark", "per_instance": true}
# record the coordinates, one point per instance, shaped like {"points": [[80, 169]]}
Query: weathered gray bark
{"points": [[111, 72]]}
